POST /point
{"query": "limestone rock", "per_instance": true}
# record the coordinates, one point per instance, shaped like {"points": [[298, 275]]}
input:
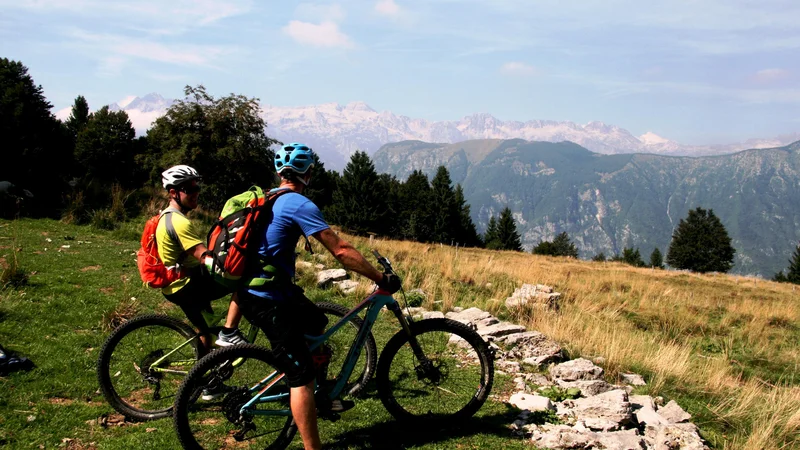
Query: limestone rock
{"points": [[634, 379], [500, 329], [433, 315], [565, 437], [326, 277], [577, 369], [683, 436], [604, 412], [644, 410], [588, 387], [346, 286], [674, 413], [532, 347], [471, 314], [457, 309], [530, 402], [508, 366], [530, 294]]}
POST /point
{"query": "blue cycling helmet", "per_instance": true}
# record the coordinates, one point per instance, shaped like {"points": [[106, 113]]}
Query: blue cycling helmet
{"points": [[295, 157]]}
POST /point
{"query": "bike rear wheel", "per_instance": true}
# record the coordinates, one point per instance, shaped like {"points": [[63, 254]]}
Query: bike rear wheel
{"points": [[449, 384], [218, 423], [341, 341], [125, 371]]}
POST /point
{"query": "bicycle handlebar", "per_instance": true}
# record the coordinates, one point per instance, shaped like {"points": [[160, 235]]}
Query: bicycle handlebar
{"points": [[387, 266]]}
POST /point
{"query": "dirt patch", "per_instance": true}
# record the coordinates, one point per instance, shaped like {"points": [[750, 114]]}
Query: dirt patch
{"points": [[75, 444], [111, 420], [106, 290], [88, 268], [60, 401], [210, 421]]}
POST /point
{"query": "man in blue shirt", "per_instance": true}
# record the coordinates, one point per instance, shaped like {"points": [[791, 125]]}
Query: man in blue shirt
{"points": [[279, 308]]}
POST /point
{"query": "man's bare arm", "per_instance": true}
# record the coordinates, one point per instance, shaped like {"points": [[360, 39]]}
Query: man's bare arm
{"points": [[346, 254]]}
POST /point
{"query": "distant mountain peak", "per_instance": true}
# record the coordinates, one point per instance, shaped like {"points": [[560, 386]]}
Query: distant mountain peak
{"points": [[651, 138], [336, 130]]}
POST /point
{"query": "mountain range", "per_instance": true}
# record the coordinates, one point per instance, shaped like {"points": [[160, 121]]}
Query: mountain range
{"points": [[336, 131], [608, 202]]}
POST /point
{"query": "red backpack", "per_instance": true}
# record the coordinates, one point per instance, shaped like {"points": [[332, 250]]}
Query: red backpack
{"points": [[234, 239], [152, 270]]}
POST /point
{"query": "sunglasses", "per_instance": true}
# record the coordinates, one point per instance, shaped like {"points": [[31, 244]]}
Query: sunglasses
{"points": [[189, 190]]}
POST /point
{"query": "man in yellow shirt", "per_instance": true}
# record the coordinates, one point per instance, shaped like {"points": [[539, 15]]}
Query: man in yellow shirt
{"points": [[179, 244]]}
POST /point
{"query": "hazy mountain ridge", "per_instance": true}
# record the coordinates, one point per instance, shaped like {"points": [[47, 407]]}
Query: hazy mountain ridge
{"points": [[336, 131], [608, 202]]}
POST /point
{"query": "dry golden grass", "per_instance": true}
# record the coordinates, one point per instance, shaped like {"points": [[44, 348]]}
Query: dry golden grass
{"points": [[724, 345]]}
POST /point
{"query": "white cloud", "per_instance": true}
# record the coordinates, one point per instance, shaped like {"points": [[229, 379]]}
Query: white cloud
{"points": [[115, 50], [518, 68], [387, 8], [174, 17], [770, 75], [326, 34], [320, 13]]}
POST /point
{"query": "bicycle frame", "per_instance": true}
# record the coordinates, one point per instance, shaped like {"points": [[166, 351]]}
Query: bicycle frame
{"points": [[373, 305], [210, 319]]}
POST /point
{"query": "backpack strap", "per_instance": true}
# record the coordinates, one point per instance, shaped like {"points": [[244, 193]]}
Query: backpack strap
{"points": [[167, 213]]}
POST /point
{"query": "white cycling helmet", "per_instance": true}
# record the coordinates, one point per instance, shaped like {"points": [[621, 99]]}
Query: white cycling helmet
{"points": [[177, 175]]}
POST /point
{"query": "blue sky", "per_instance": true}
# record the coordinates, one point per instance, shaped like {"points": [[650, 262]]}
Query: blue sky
{"points": [[697, 71]]}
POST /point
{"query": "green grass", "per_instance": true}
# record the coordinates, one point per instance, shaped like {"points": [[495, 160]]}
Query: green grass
{"points": [[60, 319]]}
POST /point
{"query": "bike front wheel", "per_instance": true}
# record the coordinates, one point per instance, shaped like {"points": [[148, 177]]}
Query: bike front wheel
{"points": [[143, 362], [220, 423], [447, 380]]}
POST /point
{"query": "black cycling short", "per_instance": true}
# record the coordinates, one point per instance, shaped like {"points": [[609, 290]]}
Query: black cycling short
{"points": [[285, 323], [196, 296]]}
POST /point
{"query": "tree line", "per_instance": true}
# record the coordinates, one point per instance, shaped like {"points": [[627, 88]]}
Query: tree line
{"points": [[81, 167]]}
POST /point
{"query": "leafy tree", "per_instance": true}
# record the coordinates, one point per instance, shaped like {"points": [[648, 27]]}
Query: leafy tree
{"points": [[466, 234], [600, 257], [359, 200], [105, 148], [507, 236], [793, 271], [445, 215], [656, 259], [560, 246], [35, 150], [79, 117], [700, 243], [490, 237], [632, 257], [223, 138]]}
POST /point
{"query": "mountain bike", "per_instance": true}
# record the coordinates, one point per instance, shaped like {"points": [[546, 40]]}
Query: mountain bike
{"points": [[144, 360], [431, 372]]}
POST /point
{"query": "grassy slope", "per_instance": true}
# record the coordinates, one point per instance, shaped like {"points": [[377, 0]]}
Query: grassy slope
{"points": [[724, 347]]}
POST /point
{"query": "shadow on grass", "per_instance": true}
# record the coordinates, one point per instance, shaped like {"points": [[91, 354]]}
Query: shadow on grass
{"points": [[397, 435]]}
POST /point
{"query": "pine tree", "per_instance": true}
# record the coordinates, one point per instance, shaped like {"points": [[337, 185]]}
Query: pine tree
{"points": [[656, 260], [359, 201], [560, 246], [700, 243], [445, 214], [79, 117], [490, 238], [322, 186], [632, 257], [466, 233], [507, 235], [415, 208], [600, 257], [793, 271]]}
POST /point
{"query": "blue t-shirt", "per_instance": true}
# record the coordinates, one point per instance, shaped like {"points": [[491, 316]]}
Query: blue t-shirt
{"points": [[292, 216]]}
